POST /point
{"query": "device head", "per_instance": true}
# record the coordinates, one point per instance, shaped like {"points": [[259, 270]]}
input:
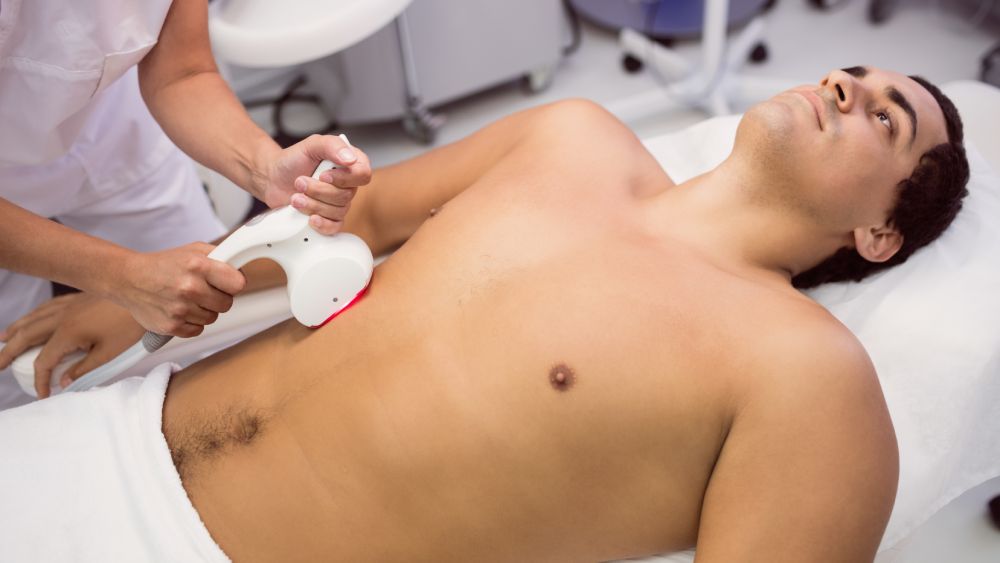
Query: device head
{"points": [[325, 275]]}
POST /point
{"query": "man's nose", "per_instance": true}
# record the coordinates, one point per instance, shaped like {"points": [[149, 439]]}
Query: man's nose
{"points": [[844, 88]]}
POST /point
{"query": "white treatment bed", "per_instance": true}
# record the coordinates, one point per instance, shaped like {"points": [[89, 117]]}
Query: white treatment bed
{"points": [[931, 326]]}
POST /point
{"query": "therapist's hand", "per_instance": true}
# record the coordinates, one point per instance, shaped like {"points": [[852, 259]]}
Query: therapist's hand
{"points": [[64, 325], [328, 199], [177, 291]]}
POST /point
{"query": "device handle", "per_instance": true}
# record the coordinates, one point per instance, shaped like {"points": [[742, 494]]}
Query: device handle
{"points": [[237, 256]]}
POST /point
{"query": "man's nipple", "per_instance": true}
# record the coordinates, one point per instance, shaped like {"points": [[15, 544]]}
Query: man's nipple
{"points": [[562, 377]]}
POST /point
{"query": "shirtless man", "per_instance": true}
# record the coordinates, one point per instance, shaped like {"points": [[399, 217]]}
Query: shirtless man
{"points": [[573, 359]]}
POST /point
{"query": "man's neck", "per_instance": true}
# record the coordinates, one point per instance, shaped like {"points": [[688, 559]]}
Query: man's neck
{"points": [[730, 218]]}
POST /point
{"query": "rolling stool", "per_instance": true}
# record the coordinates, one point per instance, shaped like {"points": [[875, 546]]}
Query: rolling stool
{"points": [[666, 21], [716, 83]]}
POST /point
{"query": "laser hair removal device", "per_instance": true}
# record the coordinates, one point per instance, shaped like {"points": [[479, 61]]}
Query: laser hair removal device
{"points": [[325, 275]]}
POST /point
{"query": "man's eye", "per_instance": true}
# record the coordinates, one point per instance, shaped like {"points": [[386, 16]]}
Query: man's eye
{"points": [[884, 118]]}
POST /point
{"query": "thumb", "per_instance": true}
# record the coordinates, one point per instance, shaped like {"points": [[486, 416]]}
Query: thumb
{"points": [[226, 278], [335, 148]]}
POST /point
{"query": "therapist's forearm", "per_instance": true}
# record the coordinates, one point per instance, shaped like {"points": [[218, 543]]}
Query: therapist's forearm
{"points": [[36, 246], [203, 117]]}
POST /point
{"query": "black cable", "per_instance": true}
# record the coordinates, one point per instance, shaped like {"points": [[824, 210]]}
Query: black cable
{"points": [[281, 135], [989, 68], [994, 506], [574, 28]]}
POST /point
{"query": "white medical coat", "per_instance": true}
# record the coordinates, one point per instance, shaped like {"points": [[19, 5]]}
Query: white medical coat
{"points": [[64, 103]]}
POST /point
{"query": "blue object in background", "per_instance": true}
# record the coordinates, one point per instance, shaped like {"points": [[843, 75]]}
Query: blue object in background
{"points": [[661, 19]]}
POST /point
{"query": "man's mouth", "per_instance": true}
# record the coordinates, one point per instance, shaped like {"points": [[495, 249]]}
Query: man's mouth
{"points": [[819, 107]]}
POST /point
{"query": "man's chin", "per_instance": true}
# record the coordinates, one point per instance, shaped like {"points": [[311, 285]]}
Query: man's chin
{"points": [[773, 121]]}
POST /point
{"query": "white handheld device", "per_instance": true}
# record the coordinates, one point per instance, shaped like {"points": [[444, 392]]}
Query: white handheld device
{"points": [[325, 274]]}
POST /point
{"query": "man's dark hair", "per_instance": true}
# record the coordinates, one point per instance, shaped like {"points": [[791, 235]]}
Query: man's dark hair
{"points": [[927, 203]]}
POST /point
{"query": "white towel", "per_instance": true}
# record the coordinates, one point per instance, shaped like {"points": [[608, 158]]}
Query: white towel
{"points": [[87, 477]]}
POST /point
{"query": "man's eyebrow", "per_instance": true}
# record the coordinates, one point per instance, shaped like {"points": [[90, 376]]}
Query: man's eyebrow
{"points": [[894, 95], [900, 100], [856, 71]]}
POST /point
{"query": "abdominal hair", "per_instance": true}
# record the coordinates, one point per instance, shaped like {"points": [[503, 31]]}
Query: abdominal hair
{"points": [[208, 437]]}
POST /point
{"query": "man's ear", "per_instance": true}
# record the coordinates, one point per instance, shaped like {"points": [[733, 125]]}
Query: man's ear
{"points": [[878, 243]]}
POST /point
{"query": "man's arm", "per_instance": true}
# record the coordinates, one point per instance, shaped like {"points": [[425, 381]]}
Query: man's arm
{"points": [[809, 469], [569, 133], [402, 196]]}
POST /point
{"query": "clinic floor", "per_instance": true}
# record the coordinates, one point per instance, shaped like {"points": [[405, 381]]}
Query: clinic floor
{"points": [[804, 43]]}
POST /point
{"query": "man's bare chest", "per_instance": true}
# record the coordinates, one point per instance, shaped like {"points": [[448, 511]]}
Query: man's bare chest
{"points": [[517, 351], [565, 305]]}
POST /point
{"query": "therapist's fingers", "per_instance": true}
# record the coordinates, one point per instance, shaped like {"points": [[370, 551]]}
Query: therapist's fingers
{"points": [[197, 317], [219, 275], [99, 355], [226, 281], [6, 357], [52, 353], [26, 337], [353, 166], [357, 175], [214, 300], [167, 290], [104, 330], [42, 386], [323, 192], [333, 213], [325, 218], [49, 309], [325, 226], [330, 147], [354, 175], [189, 330]]}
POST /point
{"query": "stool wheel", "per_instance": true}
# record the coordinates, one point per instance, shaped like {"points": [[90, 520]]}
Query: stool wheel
{"points": [[631, 64], [879, 11], [826, 4]]}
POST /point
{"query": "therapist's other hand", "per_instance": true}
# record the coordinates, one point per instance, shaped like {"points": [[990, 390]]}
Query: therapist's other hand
{"points": [[66, 324], [178, 291], [34, 328], [328, 199]]}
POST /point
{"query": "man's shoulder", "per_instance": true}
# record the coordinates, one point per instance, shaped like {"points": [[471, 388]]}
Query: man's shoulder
{"points": [[816, 372], [791, 335], [811, 351], [811, 447], [820, 338]]}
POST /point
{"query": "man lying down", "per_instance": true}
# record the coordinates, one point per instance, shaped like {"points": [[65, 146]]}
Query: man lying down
{"points": [[570, 358]]}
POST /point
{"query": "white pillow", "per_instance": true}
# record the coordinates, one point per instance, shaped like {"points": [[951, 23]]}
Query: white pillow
{"points": [[931, 327]]}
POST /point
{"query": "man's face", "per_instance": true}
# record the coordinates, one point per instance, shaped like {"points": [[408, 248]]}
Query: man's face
{"points": [[838, 149]]}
